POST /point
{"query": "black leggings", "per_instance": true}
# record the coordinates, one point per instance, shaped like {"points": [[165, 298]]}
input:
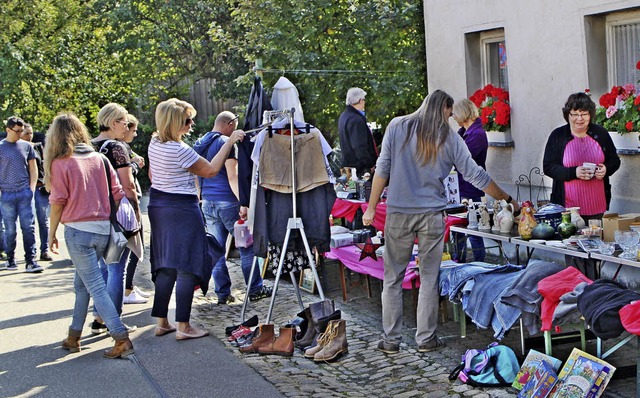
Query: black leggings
{"points": [[166, 278]]}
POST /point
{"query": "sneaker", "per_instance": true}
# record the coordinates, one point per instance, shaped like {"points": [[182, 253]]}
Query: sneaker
{"points": [[432, 345], [264, 292], [388, 348], [134, 298], [141, 292], [97, 327], [10, 265], [130, 328], [33, 268], [226, 300], [3, 255], [45, 256]]}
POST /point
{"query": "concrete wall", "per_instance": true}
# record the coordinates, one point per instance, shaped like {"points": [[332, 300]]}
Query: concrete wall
{"points": [[548, 59]]}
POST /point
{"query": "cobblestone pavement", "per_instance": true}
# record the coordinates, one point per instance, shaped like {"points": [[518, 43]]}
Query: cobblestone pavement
{"points": [[365, 371]]}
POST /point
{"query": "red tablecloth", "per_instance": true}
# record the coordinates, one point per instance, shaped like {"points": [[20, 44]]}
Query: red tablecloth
{"points": [[350, 255], [345, 208]]}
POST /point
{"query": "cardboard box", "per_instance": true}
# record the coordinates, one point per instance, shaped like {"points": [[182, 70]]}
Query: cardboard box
{"points": [[339, 240], [611, 222]]}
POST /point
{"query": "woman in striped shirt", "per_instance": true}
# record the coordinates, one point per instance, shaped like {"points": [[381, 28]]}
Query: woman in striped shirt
{"points": [[179, 250]]}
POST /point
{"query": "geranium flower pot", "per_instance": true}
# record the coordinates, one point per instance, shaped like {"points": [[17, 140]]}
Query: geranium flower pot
{"points": [[627, 141], [499, 136]]}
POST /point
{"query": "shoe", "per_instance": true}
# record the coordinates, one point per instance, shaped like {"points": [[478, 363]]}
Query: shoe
{"points": [[122, 349], [265, 336], [432, 345], [239, 332], [141, 292], [130, 328], [244, 341], [195, 334], [160, 331], [226, 300], [281, 345], [264, 292], [388, 348], [97, 327], [335, 342], [11, 265], [72, 342], [251, 322], [33, 268], [3, 267], [45, 256], [3, 255], [134, 298]]}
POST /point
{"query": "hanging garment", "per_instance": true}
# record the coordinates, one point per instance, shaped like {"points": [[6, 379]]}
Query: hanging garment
{"points": [[285, 96]]}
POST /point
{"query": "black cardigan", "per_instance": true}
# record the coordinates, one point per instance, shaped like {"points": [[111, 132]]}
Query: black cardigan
{"points": [[554, 153]]}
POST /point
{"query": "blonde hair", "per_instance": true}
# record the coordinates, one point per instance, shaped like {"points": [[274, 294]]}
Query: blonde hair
{"points": [[110, 113], [465, 110], [171, 116], [132, 120], [65, 132]]}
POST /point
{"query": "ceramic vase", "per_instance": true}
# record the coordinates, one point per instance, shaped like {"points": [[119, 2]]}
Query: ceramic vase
{"points": [[505, 217], [566, 229], [576, 219], [527, 222]]}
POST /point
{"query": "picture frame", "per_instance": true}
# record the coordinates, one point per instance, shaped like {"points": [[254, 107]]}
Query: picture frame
{"points": [[307, 281]]}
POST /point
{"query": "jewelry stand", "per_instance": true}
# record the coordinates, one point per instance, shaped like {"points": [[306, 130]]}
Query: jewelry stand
{"points": [[293, 223]]}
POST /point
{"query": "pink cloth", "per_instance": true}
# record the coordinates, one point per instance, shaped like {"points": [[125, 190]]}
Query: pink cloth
{"points": [[553, 287], [350, 257], [630, 317], [588, 195], [345, 208], [380, 217], [80, 184]]}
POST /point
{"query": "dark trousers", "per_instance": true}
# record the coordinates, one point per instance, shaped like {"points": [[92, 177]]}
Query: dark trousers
{"points": [[166, 278]]}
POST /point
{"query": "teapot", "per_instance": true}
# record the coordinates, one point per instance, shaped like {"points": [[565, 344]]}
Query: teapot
{"points": [[505, 217]]}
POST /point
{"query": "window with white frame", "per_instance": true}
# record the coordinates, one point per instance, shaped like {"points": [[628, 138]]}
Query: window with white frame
{"points": [[623, 45], [494, 58]]}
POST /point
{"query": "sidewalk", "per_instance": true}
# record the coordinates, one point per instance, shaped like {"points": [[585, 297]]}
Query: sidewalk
{"points": [[36, 312]]}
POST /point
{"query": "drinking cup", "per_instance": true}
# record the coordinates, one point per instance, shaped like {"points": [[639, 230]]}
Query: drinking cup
{"points": [[591, 167]]}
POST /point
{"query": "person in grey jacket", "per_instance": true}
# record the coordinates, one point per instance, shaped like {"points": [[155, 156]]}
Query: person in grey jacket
{"points": [[356, 140], [418, 152]]}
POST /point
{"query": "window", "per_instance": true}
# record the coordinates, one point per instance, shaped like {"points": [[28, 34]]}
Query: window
{"points": [[494, 59], [623, 45]]}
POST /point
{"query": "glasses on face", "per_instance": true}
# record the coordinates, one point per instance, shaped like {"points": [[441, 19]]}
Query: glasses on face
{"points": [[123, 122], [233, 120], [189, 121], [584, 115]]}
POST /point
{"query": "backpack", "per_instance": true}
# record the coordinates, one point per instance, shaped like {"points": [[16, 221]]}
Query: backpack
{"points": [[495, 366]]}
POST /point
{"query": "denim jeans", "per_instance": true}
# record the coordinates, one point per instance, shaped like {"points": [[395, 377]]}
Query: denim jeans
{"points": [[41, 205], [2, 245], [85, 250], [113, 275], [219, 218], [19, 205]]}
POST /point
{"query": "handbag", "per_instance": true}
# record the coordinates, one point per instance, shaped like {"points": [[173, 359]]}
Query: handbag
{"points": [[495, 366], [117, 240]]}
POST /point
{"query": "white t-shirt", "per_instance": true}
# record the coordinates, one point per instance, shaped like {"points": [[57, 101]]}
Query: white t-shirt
{"points": [[168, 163]]}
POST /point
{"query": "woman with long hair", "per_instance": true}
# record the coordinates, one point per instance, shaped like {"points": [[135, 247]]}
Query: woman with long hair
{"points": [[179, 250], [76, 177], [418, 152]]}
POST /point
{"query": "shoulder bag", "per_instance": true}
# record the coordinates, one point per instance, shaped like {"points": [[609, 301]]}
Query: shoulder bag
{"points": [[117, 240]]}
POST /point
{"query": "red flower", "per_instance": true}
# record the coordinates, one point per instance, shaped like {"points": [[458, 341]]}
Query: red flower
{"points": [[638, 65], [629, 126], [503, 112], [485, 113], [636, 101], [608, 99]]}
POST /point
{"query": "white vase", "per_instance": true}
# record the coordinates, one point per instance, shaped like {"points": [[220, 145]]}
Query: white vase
{"points": [[625, 141], [499, 136]]}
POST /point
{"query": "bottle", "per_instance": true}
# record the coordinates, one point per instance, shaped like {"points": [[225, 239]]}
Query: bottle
{"points": [[242, 234], [566, 229]]}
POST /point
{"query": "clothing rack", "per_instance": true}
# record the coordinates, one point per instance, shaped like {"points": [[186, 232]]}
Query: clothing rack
{"points": [[293, 223]]}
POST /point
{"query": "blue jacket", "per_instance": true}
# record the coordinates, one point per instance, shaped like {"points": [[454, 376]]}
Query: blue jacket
{"points": [[476, 139]]}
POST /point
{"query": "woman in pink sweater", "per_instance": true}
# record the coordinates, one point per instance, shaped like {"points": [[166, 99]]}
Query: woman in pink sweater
{"points": [[76, 177]]}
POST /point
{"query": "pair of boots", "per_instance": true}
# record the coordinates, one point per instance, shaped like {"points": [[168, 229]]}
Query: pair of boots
{"points": [[122, 349], [313, 313], [266, 342], [332, 343]]}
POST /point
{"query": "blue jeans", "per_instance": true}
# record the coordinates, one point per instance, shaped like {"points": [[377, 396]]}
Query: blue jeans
{"points": [[2, 245], [113, 276], [220, 217], [85, 250], [19, 205], [41, 204]]}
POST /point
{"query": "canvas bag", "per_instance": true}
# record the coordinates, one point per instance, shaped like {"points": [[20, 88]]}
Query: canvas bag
{"points": [[495, 366], [117, 240]]}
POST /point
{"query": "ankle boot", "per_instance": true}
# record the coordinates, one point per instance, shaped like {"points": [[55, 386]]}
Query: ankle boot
{"points": [[122, 349], [336, 342], [72, 342], [264, 337], [322, 341], [321, 327], [317, 311], [300, 323], [281, 345]]}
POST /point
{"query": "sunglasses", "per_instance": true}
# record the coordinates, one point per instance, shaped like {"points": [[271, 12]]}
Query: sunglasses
{"points": [[234, 119], [188, 121]]}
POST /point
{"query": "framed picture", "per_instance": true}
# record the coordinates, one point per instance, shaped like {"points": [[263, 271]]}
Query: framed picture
{"points": [[307, 281]]}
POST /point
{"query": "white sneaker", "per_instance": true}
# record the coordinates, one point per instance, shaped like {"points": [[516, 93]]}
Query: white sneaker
{"points": [[134, 298], [141, 292]]}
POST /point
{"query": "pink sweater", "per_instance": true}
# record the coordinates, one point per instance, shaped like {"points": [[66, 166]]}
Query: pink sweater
{"points": [[79, 184]]}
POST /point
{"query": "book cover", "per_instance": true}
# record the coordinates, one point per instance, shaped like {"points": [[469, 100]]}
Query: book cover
{"points": [[597, 388], [531, 362], [589, 245], [579, 373], [540, 383]]}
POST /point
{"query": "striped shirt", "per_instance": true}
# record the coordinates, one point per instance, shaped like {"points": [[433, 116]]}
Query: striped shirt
{"points": [[14, 165], [588, 195], [168, 163]]}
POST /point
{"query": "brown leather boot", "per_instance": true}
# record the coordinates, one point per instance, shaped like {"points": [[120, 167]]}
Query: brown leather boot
{"points": [[281, 345], [122, 349], [336, 344], [72, 342], [264, 337], [316, 311]]}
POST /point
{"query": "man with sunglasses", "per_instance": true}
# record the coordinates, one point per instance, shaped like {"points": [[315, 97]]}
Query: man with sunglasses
{"points": [[221, 208], [18, 179]]}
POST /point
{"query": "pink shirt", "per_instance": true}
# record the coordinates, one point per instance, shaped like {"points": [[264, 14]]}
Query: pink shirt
{"points": [[586, 194], [79, 184]]}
